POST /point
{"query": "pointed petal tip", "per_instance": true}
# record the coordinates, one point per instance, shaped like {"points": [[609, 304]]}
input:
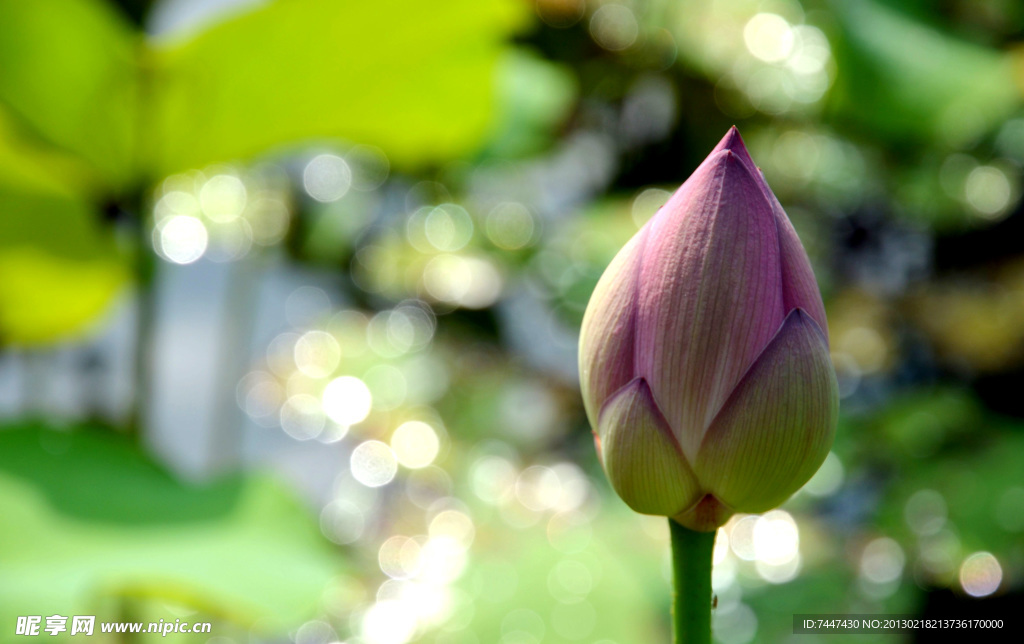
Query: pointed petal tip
{"points": [[796, 321], [720, 156], [800, 316], [735, 165], [640, 389], [732, 141]]}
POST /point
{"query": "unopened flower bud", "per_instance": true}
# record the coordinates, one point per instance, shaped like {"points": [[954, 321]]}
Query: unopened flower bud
{"points": [[704, 360]]}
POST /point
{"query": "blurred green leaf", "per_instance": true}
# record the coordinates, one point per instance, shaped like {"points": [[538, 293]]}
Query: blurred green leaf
{"points": [[67, 123], [973, 483], [947, 442], [910, 81], [68, 71], [29, 164], [87, 518], [75, 78], [59, 270], [918, 424], [534, 98], [422, 87], [570, 582]]}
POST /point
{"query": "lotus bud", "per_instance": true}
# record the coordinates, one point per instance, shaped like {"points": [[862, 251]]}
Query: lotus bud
{"points": [[704, 361]]}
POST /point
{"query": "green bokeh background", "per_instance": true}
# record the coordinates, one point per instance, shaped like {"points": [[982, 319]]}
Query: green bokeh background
{"points": [[446, 182]]}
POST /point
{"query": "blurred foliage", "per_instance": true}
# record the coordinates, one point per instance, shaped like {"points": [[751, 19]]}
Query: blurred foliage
{"points": [[91, 525], [624, 594], [89, 103], [59, 266], [59, 269], [133, 108], [920, 82], [454, 178], [330, 70]]}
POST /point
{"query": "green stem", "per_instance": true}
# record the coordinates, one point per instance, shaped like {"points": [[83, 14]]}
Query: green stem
{"points": [[691, 578]]}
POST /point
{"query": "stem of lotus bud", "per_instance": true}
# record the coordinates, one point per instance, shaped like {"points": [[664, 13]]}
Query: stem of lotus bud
{"points": [[691, 579]]}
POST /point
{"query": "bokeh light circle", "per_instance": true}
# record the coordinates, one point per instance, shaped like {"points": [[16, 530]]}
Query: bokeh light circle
{"points": [[373, 464]]}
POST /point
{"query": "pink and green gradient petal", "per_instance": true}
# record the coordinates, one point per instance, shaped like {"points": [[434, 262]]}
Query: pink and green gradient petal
{"points": [[777, 427], [608, 337], [641, 457]]}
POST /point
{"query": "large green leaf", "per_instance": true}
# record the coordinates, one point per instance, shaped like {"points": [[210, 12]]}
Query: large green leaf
{"points": [[29, 164], [68, 71], [908, 80], [68, 114], [59, 269], [88, 519], [415, 78]]}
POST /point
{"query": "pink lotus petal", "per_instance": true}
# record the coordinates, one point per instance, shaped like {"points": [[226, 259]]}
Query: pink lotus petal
{"points": [[608, 337], [799, 288], [710, 293]]}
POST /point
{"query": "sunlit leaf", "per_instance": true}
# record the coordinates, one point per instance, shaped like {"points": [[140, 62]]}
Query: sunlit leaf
{"points": [[88, 518], [68, 70], [416, 79], [44, 297]]}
